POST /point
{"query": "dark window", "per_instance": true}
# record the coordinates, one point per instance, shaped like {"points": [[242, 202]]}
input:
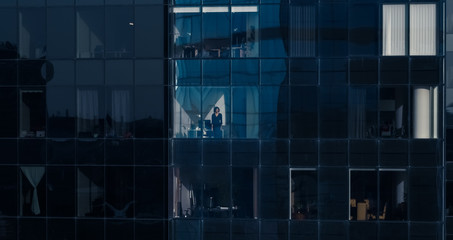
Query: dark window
{"points": [[333, 71], [304, 194], [119, 194], [333, 33], [274, 116], [60, 191], [8, 186], [363, 71], [32, 33], [150, 195], [333, 111], [119, 32], [8, 109], [60, 32], [363, 29], [149, 111], [149, 31], [304, 112], [90, 192], [8, 39], [61, 110], [304, 71], [245, 192], [90, 32]]}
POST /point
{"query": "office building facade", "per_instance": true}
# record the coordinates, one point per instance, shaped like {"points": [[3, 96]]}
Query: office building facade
{"points": [[333, 120]]}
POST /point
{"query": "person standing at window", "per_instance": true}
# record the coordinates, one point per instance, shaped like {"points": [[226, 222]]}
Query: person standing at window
{"points": [[216, 125]]}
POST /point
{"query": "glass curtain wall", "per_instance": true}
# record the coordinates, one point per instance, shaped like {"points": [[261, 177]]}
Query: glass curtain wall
{"points": [[305, 119]]}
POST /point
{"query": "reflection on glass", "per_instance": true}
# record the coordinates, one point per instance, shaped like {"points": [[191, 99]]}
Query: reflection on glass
{"points": [[393, 194], [119, 113], [90, 32], [119, 30], [90, 191], [216, 34], [304, 194], [393, 112], [32, 33], [273, 71], [245, 30], [303, 31], [245, 72], [61, 111], [216, 72], [187, 72], [32, 113], [272, 30], [274, 111], [245, 112], [186, 32], [186, 112], [363, 195], [90, 102], [362, 112]]}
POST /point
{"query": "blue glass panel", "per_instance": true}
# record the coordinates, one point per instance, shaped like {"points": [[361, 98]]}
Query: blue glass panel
{"points": [[32, 33], [216, 34], [245, 114], [149, 31], [119, 30], [273, 31], [90, 32], [187, 112], [274, 71], [363, 35], [333, 111], [216, 72], [333, 29], [186, 42], [187, 72], [303, 30], [274, 109], [60, 32], [245, 34], [245, 72]]}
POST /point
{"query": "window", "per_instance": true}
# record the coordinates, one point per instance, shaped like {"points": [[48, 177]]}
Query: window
{"points": [[32, 113], [422, 29], [370, 201], [425, 112], [304, 194]]}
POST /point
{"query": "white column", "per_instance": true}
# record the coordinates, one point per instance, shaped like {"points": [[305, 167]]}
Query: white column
{"points": [[435, 112], [421, 112]]}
